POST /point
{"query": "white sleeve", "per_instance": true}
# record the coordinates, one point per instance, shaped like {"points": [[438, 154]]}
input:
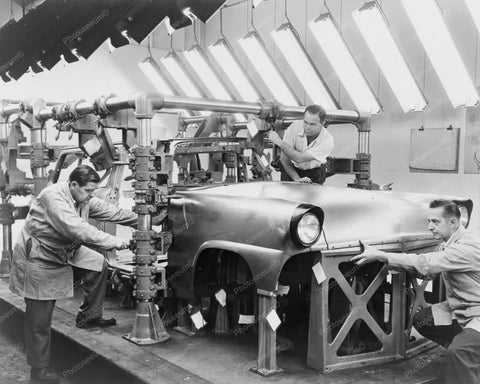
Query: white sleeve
{"points": [[288, 136]]}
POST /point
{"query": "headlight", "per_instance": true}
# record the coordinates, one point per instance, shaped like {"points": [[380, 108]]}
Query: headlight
{"points": [[308, 228], [306, 225]]}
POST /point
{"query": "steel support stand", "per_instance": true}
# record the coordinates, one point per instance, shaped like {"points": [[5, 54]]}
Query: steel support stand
{"points": [[148, 327], [6, 220], [267, 337]]}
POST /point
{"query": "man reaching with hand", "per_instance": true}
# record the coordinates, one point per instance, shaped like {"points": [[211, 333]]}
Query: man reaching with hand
{"points": [[454, 323], [305, 147], [53, 248]]}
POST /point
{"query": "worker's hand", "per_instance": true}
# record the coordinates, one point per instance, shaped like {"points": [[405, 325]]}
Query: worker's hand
{"points": [[369, 255], [305, 180], [121, 244], [158, 219], [273, 137]]}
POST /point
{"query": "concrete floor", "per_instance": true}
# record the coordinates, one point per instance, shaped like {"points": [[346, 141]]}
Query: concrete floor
{"points": [[219, 359], [13, 363]]}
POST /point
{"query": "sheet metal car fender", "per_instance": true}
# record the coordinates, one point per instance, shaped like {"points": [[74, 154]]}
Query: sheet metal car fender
{"points": [[253, 220]]}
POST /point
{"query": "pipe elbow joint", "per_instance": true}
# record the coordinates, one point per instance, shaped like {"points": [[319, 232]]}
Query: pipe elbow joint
{"points": [[146, 103]]}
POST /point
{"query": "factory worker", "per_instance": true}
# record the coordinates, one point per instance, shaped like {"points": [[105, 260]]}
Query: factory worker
{"points": [[57, 244], [305, 147], [454, 323]]}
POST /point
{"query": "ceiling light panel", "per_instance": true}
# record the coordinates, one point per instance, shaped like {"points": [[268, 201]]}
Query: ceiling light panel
{"points": [[257, 54], [327, 34], [442, 52], [226, 59], [374, 29], [287, 40]]}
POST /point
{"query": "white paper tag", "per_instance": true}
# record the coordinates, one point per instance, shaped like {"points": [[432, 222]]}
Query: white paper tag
{"points": [[319, 273], [252, 128], [221, 297], [386, 308], [264, 161], [389, 278], [283, 289], [429, 287], [198, 320], [246, 319], [273, 320]]}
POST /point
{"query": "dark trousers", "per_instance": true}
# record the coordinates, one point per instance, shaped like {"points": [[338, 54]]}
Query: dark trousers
{"points": [[94, 287], [317, 175], [38, 314], [38, 321], [463, 347]]}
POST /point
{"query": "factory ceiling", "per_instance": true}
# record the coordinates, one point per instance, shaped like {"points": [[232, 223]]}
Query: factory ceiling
{"points": [[73, 29]]}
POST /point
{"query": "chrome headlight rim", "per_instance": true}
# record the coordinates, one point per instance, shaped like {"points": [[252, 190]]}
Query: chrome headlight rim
{"points": [[465, 207], [300, 212]]}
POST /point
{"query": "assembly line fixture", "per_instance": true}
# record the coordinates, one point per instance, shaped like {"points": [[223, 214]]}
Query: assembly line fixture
{"points": [[152, 166]]}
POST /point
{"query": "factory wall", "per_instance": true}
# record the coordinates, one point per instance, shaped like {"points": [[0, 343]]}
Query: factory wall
{"points": [[118, 73], [390, 136]]}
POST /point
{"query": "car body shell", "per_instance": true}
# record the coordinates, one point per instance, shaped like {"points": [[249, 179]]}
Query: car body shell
{"points": [[253, 220]]}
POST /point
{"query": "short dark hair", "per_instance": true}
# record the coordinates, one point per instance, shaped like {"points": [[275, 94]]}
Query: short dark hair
{"points": [[84, 174], [449, 207], [315, 109]]}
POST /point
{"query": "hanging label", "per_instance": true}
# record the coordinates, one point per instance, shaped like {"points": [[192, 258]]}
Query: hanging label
{"points": [[198, 320], [283, 290], [273, 320], [319, 273], [246, 319], [252, 128], [221, 297]]}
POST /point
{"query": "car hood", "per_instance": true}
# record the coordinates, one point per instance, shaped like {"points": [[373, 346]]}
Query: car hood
{"points": [[350, 214]]}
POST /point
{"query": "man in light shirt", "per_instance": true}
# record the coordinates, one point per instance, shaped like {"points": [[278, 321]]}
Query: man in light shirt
{"points": [[454, 323], [305, 147]]}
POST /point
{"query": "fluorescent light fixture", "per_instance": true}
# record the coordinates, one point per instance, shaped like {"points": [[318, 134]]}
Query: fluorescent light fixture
{"points": [[326, 32], [168, 26], [189, 13], [373, 26], [152, 70], [226, 59], [256, 3], [199, 62], [256, 52], [176, 68], [442, 51], [204, 70], [286, 38], [474, 8]]}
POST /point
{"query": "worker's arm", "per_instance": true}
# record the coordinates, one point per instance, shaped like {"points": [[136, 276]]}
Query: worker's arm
{"points": [[455, 258], [288, 167], [288, 150], [103, 211], [67, 223]]}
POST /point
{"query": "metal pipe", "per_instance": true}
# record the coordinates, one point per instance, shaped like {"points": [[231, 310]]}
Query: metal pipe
{"points": [[144, 222], [10, 109], [224, 119], [7, 237], [144, 133], [161, 101]]}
